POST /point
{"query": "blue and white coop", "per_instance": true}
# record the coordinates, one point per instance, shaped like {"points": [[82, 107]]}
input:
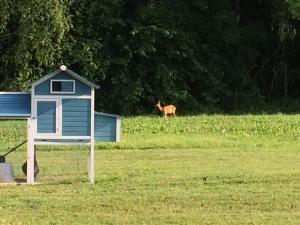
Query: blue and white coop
{"points": [[60, 110]]}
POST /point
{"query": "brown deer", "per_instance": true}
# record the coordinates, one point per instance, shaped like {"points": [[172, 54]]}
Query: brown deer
{"points": [[168, 109]]}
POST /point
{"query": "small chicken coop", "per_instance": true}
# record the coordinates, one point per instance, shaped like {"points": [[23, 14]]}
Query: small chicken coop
{"points": [[60, 111]]}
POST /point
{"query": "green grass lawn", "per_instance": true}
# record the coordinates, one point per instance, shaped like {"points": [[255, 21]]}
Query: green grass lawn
{"points": [[188, 170]]}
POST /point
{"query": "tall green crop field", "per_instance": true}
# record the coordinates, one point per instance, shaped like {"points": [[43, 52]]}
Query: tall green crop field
{"points": [[149, 132], [208, 131]]}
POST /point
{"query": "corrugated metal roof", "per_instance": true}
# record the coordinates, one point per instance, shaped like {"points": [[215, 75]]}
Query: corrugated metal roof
{"points": [[15, 105]]}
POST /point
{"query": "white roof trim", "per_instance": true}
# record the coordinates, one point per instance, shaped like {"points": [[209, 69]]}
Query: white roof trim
{"points": [[70, 72], [11, 116], [14, 93], [46, 77], [77, 76], [108, 114]]}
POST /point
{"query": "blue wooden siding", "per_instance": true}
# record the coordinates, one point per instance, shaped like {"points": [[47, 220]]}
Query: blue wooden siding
{"points": [[105, 128], [76, 117], [15, 105], [46, 117], [80, 87]]}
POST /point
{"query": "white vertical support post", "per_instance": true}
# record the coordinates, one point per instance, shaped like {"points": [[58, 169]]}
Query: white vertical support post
{"points": [[118, 129], [91, 164], [92, 140], [30, 152]]}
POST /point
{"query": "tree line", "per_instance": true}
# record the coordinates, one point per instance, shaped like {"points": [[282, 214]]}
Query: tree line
{"points": [[201, 55]]}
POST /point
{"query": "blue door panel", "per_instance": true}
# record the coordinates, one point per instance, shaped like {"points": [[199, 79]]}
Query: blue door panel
{"points": [[46, 117], [76, 117]]}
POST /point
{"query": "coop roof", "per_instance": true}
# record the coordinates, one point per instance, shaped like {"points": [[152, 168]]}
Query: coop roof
{"points": [[68, 71], [15, 105], [107, 114]]}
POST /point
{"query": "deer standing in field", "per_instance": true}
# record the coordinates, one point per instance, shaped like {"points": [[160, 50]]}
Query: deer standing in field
{"points": [[168, 109]]}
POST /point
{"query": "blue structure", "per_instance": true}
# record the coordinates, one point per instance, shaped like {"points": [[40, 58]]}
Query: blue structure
{"points": [[60, 110], [107, 127], [15, 105], [63, 108]]}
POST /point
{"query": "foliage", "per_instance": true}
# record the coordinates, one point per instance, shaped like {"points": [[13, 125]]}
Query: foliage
{"points": [[222, 55], [202, 131], [32, 41], [276, 126], [295, 8]]}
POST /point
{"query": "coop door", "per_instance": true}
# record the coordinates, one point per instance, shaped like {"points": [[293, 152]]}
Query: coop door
{"points": [[47, 117]]}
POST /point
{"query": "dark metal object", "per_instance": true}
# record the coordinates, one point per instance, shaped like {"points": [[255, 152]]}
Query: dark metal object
{"points": [[2, 157], [36, 168]]}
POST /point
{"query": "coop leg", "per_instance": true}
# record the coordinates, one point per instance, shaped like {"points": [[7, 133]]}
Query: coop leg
{"points": [[30, 165], [91, 165], [30, 154]]}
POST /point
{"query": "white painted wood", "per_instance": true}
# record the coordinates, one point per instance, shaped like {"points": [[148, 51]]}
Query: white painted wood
{"points": [[42, 97], [30, 153], [118, 130], [46, 77], [47, 137], [23, 117], [58, 117], [91, 164], [62, 92], [92, 146], [93, 114], [58, 139], [70, 72], [13, 93], [107, 114], [30, 140], [78, 77], [33, 111], [62, 80], [52, 142]]}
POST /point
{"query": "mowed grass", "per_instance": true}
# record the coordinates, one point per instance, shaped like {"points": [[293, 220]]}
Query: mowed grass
{"points": [[187, 170]]}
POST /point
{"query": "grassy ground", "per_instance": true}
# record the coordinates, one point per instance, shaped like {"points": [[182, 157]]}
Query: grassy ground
{"points": [[183, 171]]}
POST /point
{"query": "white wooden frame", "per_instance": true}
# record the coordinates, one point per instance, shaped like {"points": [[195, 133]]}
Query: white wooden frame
{"points": [[58, 122], [62, 92], [70, 72], [30, 152], [35, 139], [62, 97], [118, 129], [92, 140], [59, 111], [13, 93], [30, 141], [67, 142]]}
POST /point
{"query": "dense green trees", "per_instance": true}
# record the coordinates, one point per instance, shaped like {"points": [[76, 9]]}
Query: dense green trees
{"points": [[198, 54]]}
